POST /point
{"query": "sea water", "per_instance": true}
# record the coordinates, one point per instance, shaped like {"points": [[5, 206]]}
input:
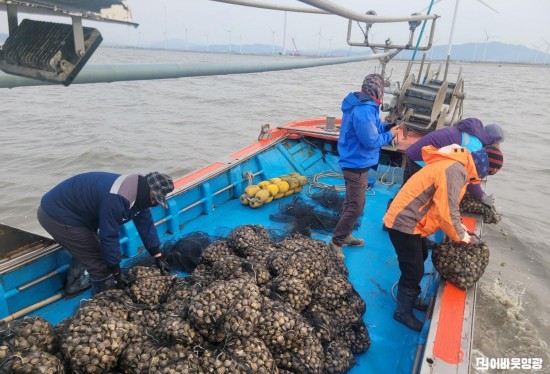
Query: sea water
{"points": [[49, 133]]}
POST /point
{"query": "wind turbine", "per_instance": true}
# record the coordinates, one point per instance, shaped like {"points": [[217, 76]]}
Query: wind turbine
{"points": [[487, 37], [186, 46], [537, 47], [240, 44], [272, 41], [319, 44], [547, 48], [475, 51], [230, 42], [330, 45], [453, 28]]}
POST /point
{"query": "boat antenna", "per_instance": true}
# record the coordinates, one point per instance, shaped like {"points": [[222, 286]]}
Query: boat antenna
{"points": [[453, 30], [422, 31]]}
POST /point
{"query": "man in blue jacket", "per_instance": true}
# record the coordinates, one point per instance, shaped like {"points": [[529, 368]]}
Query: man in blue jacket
{"points": [[362, 134], [85, 212]]}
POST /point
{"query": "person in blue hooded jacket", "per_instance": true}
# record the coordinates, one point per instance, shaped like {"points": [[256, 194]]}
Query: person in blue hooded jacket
{"points": [[84, 214], [362, 134]]}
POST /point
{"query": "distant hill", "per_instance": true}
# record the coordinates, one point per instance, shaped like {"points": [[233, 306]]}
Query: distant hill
{"points": [[475, 52]]}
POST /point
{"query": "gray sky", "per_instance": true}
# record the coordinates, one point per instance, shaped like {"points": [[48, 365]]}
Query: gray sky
{"points": [[523, 22]]}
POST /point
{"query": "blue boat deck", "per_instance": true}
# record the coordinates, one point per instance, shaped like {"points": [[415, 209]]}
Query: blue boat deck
{"points": [[373, 269]]}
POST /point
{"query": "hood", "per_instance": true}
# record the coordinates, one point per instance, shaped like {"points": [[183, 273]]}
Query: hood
{"points": [[474, 127], [454, 152], [355, 99]]}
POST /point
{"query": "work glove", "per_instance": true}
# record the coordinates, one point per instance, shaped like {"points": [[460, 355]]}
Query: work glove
{"points": [[120, 282], [162, 265], [466, 238], [488, 200]]}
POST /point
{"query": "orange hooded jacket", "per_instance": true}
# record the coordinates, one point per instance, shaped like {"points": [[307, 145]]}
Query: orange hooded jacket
{"points": [[430, 199]]}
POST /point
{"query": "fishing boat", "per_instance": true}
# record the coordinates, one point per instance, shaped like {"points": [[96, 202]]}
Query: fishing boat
{"points": [[33, 268]]}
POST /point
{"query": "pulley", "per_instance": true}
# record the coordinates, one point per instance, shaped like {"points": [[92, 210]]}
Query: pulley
{"points": [[426, 103]]}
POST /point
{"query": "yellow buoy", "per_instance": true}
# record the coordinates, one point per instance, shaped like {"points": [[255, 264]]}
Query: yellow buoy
{"points": [[269, 199], [262, 195], [251, 190], [273, 189], [264, 184], [283, 186], [275, 180], [302, 180], [279, 195]]}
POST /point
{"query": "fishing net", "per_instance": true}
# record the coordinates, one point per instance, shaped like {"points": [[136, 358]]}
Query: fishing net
{"points": [[302, 217], [182, 254]]}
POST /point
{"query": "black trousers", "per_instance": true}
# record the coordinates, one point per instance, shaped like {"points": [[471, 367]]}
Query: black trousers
{"points": [[411, 168], [411, 257]]}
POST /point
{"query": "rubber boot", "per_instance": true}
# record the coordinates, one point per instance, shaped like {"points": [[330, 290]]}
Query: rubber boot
{"points": [[420, 305], [406, 299], [427, 243], [104, 284], [78, 280]]}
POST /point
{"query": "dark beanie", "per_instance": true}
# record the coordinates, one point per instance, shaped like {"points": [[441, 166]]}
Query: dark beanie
{"points": [[496, 159]]}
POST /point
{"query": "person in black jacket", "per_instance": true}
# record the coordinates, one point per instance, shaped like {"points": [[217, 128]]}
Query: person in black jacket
{"points": [[85, 212]]}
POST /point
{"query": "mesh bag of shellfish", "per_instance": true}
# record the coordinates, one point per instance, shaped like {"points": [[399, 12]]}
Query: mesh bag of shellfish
{"points": [[226, 309], [150, 357], [292, 291], [28, 343], [280, 327], [461, 264], [338, 358], [37, 362], [471, 205], [93, 339], [242, 355], [216, 250], [331, 290], [306, 358], [244, 237], [27, 335], [148, 286]]}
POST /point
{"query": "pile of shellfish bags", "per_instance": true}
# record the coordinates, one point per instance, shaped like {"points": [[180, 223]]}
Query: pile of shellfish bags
{"points": [[461, 264], [252, 305], [471, 205]]}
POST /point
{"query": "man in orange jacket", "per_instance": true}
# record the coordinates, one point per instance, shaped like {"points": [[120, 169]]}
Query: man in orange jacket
{"points": [[428, 201]]}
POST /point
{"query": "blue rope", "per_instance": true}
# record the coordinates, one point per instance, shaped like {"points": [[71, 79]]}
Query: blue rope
{"points": [[422, 31]]}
